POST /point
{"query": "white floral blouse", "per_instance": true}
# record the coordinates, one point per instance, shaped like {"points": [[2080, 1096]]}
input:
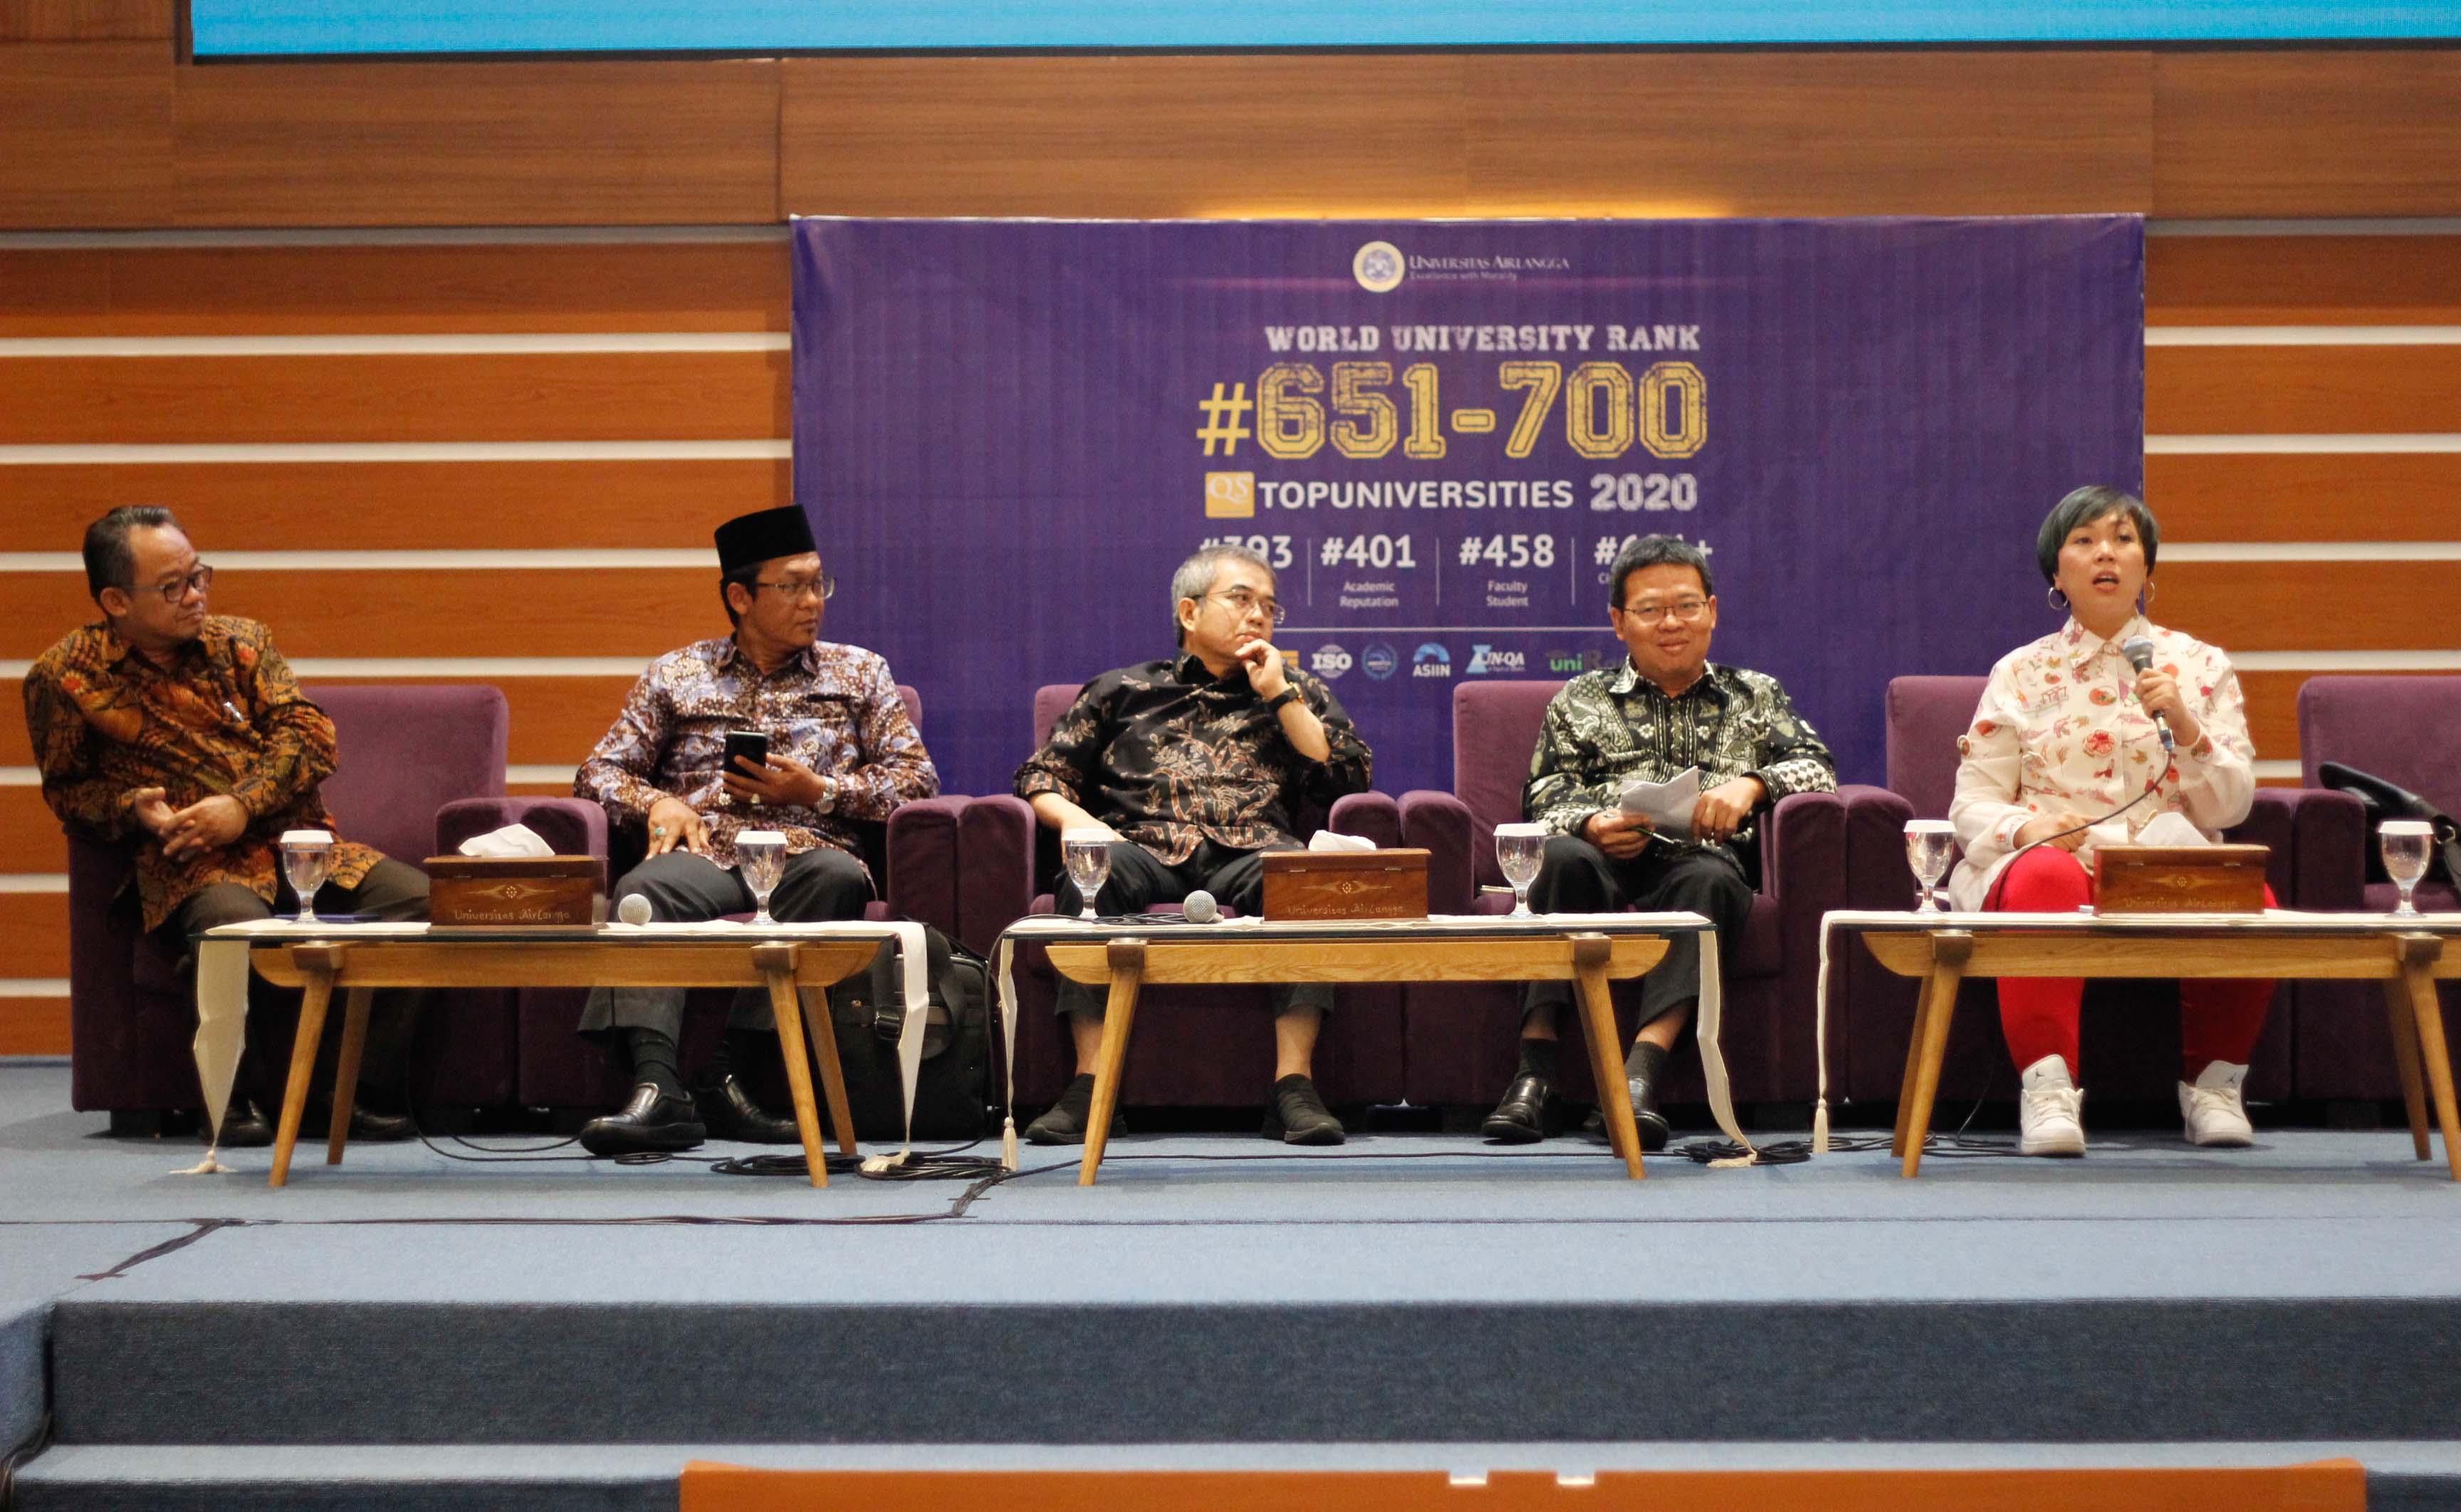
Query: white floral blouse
{"points": [[2059, 728]]}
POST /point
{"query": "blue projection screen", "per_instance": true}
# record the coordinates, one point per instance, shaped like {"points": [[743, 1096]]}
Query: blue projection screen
{"points": [[297, 28]]}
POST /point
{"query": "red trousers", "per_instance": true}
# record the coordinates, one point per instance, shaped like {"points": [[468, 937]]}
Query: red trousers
{"points": [[2218, 1020]]}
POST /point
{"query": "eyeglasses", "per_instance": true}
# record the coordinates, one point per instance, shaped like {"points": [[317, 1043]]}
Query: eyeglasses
{"points": [[198, 579], [1242, 602], [1685, 610], [823, 589]]}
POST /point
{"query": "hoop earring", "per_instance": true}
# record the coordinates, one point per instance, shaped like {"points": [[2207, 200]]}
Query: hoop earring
{"points": [[2145, 600], [2059, 601]]}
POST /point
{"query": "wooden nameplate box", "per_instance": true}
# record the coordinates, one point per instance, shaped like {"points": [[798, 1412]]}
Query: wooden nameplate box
{"points": [[2179, 879], [496, 891], [1345, 884]]}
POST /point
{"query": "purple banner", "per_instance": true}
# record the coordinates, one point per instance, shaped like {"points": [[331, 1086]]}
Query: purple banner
{"points": [[1008, 433]]}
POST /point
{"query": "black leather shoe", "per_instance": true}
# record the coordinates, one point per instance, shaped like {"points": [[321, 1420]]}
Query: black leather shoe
{"points": [[650, 1121], [1297, 1116], [1525, 1115], [244, 1127], [1651, 1122], [1064, 1123], [366, 1126], [731, 1114]]}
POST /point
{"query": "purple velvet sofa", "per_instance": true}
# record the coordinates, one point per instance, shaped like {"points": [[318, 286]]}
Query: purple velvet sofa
{"points": [[2130, 1030], [421, 767], [1193, 1047], [913, 861], [2408, 731], [1462, 1035]]}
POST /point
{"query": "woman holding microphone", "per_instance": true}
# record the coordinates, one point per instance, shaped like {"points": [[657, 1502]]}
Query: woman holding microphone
{"points": [[2066, 754]]}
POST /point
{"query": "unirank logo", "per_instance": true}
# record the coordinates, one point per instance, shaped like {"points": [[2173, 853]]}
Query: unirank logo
{"points": [[1379, 662], [1379, 267], [1432, 660], [1329, 662]]}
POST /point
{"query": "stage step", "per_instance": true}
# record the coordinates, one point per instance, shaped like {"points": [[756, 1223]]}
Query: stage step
{"points": [[2421, 1476]]}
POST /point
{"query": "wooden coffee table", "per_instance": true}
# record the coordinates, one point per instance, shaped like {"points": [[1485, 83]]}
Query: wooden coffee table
{"points": [[1590, 949], [358, 958], [2408, 955]]}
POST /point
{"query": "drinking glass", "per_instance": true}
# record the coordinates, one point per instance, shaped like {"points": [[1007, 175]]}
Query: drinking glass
{"points": [[1519, 849], [307, 861], [1087, 854], [2405, 843], [1928, 844], [761, 855]]}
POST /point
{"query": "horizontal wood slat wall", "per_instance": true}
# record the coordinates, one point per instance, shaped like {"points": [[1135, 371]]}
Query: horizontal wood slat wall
{"points": [[85, 20], [34, 1026], [2345, 495], [534, 286], [33, 936], [398, 506], [2266, 131], [2239, 390], [88, 128], [2312, 605], [562, 396], [2301, 280], [29, 832]]}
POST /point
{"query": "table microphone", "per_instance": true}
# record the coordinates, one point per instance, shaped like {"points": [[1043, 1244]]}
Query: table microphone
{"points": [[2139, 652], [633, 909], [1199, 908]]}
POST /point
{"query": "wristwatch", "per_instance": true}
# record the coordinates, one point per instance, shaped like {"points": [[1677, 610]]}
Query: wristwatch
{"points": [[1288, 696]]}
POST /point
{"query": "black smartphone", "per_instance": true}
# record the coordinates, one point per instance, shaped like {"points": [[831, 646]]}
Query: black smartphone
{"points": [[749, 743]]}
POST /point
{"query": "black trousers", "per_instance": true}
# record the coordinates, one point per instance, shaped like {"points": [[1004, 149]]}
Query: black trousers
{"points": [[1576, 877], [394, 891], [819, 885], [1140, 878]]}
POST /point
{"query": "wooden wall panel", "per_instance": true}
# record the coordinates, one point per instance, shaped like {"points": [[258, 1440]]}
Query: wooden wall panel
{"points": [[2302, 281], [479, 612], [33, 934], [2273, 708], [2242, 390], [356, 290], [87, 134], [29, 832], [1146, 135], [2349, 495], [557, 144], [2307, 132], [1846, 132], [398, 506], [86, 21], [616, 397], [2312, 605], [34, 1026]]}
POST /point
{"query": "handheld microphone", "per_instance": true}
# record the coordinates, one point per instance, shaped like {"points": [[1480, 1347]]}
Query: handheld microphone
{"points": [[633, 909], [2139, 652], [1199, 908]]}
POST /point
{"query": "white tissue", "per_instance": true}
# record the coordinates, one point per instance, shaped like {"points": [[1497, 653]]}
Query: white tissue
{"points": [[2171, 829], [513, 840], [1327, 839]]}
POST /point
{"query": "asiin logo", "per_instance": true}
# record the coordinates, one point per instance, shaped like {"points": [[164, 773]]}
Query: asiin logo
{"points": [[1379, 267], [1329, 662], [1432, 660], [1379, 662], [1486, 660]]}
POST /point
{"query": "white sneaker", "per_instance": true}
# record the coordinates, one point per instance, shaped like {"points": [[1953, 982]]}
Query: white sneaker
{"points": [[2215, 1111], [2050, 1111]]}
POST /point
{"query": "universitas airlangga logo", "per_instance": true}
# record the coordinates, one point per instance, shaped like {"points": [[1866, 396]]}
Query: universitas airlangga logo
{"points": [[1379, 267]]}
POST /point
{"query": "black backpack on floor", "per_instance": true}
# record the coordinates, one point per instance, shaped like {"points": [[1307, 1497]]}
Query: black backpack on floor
{"points": [[952, 1093]]}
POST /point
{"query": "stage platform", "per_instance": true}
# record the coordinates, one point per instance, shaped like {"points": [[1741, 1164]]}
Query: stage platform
{"points": [[414, 1332]]}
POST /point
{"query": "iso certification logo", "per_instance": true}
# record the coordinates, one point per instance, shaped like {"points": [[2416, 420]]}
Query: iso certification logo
{"points": [[1379, 662], [1329, 662], [1379, 267]]}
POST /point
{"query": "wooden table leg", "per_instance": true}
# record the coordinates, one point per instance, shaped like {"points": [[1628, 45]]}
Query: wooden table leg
{"points": [[1127, 959], [319, 963], [1590, 954], [776, 963], [1950, 951], [2401, 1020], [346, 1071], [2418, 957], [1914, 1063], [823, 1035]]}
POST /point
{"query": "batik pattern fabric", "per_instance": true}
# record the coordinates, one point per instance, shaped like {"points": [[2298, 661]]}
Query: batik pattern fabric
{"points": [[2060, 730], [1612, 728], [225, 718], [1170, 756], [834, 708]]}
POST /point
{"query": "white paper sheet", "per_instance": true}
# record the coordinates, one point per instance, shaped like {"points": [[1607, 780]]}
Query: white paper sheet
{"points": [[1668, 805]]}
